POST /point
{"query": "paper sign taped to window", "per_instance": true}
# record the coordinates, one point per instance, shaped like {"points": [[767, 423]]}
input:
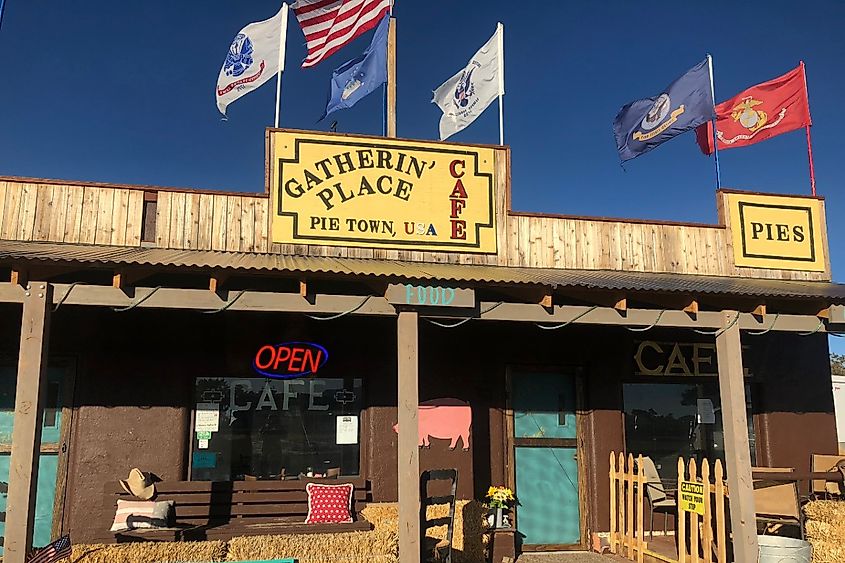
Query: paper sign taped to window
{"points": [[203, 435], [207, 417], [347, 429], [203, 444], [706, 413], [691, 497]]}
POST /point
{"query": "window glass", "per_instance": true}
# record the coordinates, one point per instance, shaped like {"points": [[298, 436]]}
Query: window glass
{"points": [[268, 428], [666, 421]]}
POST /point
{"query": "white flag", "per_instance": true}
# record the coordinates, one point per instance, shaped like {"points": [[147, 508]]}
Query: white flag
{"points": [[467, 94], [256, 55]]}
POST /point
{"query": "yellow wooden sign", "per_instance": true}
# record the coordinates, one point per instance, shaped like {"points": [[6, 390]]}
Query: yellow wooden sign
{"points": [[779, 232], [342, 190], [691, 497]]}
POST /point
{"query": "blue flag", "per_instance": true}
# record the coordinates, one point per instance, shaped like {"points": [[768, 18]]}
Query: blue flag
{"points": [[685, 104], [354, 79]]}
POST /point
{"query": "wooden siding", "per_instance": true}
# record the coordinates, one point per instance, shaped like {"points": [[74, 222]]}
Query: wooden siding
{"points": [[190, 220]]}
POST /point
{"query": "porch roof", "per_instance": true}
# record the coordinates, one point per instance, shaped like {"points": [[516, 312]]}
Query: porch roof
{"points": [[111, 256]]}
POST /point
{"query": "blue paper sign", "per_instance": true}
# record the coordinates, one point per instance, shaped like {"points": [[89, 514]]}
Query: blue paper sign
{"points": [[204, 460]]}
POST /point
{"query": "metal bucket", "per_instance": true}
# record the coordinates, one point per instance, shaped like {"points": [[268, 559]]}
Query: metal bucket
{"points": [[777, 549]]}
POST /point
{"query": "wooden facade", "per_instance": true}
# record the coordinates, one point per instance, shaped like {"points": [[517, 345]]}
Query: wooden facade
{"points": [[81, 213]]}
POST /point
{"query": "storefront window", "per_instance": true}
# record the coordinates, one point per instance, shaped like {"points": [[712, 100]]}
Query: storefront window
{"points": [[269, 428], [666, 421]]}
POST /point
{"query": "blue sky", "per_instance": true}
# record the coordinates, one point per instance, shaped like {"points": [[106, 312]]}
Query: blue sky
{"points": [[124, 92]]}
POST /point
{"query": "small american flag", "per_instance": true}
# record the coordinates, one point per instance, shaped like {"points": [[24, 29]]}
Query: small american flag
{"points": [[328, 25], [53, 552]]}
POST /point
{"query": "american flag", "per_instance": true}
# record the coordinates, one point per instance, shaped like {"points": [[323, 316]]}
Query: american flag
{"points": [[328, 25], [53, 552]]}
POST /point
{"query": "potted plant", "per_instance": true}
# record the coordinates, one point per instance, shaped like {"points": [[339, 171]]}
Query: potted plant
{"points": [[499, 500]]}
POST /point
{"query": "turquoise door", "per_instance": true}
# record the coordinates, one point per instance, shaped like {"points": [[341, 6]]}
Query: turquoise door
{"points": [[49, 458], [545, 460]]}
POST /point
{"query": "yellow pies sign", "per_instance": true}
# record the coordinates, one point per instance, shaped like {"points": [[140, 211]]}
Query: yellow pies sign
{"points": [[779, 232], [342, 190]]}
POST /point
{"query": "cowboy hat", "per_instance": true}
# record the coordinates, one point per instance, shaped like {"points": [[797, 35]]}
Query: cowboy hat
{"points": [[139, 484]]}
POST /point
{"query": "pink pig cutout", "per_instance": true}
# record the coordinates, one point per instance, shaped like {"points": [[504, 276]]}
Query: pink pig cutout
{"points": [[445, 419]]}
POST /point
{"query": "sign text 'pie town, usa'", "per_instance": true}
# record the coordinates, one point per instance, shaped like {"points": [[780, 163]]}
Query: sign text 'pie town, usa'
{"points": [[340, 190]]}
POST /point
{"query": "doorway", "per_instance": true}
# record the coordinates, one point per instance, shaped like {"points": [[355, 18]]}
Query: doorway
{"points": [[52, 458], [544, 465]]}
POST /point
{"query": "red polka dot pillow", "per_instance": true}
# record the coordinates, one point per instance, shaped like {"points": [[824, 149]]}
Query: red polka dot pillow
{"points": [[329, 504]]}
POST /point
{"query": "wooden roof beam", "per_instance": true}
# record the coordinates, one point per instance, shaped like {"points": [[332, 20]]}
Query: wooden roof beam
{"points": [[19, 277]]}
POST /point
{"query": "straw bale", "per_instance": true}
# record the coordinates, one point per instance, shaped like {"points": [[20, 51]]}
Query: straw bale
{"points": [[828, 511], [150, 552], [468, 540], [378, 546], [828, 551]]}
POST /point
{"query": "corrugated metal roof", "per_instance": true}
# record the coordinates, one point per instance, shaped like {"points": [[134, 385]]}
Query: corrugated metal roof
{"points": [[497, 275]]}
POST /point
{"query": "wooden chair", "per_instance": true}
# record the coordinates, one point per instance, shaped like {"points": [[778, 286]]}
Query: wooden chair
{"points": [[776, 502], [659, 499], [825, 489], [440, 550]]}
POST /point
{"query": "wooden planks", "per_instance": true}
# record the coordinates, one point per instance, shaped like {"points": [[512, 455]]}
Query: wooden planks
{"points": [[189, 220]]}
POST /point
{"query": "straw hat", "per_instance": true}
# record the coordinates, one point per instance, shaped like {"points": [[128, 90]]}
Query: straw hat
{"points": [[139, 484]]}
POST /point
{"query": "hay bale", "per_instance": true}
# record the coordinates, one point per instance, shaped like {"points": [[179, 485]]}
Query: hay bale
{"points": [[149, 552], [468, 539], [829, 511], [825, 527], [378, 546]]}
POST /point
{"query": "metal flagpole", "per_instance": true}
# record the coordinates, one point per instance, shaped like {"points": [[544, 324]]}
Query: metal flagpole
{"points": [[2, 5], [282, 41], [500, 30], [715, 138], [807, 128]]}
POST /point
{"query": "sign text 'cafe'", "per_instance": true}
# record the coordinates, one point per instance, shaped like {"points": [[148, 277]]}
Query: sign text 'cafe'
{"points": [[382, 193]]}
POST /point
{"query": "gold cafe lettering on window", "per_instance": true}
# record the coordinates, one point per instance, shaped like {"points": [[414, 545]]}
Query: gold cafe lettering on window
{"points": [[677, 359], [341, 190]]}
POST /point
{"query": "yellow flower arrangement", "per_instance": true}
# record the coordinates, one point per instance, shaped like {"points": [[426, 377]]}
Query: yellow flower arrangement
{"points": [[500, 497]]}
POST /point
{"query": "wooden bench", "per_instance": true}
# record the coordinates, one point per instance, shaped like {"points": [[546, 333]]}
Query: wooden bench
{"points": [[221, 510]]}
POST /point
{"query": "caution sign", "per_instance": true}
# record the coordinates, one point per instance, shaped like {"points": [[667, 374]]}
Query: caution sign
{"points": [[691, 497]]}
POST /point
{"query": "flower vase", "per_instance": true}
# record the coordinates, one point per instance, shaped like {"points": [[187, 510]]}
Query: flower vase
{"points": [[496, 518]]}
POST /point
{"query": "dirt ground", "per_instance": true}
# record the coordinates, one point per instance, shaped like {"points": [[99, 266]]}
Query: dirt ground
{"points": [[567, 557]]}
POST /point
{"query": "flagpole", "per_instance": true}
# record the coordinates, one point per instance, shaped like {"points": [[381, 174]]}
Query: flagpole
{"points": [[715, 137], [282, 41], [501, 32], [391, 74], [2, 6], [807, 129]]}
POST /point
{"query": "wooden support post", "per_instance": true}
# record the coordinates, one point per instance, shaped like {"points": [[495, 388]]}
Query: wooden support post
{"points": [[391, 78], [409, 454], [737, 451], [29, 410]]}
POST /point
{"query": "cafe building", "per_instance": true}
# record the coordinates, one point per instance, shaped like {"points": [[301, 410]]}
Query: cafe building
{"points": [[380, 310]]}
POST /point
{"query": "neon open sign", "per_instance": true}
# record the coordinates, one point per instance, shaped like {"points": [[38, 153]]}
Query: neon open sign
{"points": [[290, 359]]}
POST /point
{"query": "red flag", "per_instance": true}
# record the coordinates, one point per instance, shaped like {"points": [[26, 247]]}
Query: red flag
{"points": [[328, 25], [759, 113]]}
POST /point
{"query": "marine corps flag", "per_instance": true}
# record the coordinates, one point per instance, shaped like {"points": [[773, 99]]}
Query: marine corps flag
{"points": [[759, 113], [683, 105]]}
